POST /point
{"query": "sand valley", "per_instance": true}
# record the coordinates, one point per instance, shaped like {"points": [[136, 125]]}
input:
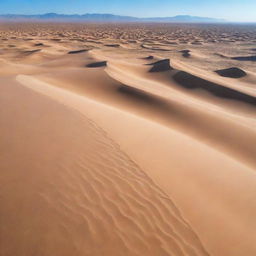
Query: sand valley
{"points": [[127, 139]]}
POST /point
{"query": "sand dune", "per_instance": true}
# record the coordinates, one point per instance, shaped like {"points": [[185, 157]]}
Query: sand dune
{"points": [[117, 141]]}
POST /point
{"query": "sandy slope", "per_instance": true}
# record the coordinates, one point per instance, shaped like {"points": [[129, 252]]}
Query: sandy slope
{"points": [[106, 151]]}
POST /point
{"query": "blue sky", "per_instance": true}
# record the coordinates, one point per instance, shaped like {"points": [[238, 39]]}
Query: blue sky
{"points": [[232, 10]]}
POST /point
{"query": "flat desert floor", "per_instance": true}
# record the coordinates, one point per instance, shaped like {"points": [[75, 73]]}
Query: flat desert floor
{"points": [[124, 139]]}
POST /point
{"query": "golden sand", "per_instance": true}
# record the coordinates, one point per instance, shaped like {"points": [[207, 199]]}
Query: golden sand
{"points": [[127, 140]]}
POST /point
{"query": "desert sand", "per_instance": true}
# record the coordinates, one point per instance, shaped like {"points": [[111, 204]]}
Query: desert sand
{"points": [[130, 139]]}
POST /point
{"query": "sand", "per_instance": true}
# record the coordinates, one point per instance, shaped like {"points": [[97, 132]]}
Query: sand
{"points": [[130, 139]]}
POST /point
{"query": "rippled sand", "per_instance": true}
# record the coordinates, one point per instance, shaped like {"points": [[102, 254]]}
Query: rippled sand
{"points": [[127, 139]]}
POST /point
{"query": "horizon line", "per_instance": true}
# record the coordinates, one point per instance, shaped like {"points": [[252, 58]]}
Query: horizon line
{"points": [[221, 20]]}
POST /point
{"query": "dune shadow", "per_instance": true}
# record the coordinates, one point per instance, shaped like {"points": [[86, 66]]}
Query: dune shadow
{"points": [[150, 57], [221, 55], [39, 44], [185, 53], [233, 72], [245, 58], [97, 64], [112, 45], [190, 81], [141, 96], [78, 51], [155, 48], [30, 52], [160, 66]]}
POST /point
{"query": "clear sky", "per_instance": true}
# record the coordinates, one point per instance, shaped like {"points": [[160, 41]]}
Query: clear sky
{"points": [[232, 10]]}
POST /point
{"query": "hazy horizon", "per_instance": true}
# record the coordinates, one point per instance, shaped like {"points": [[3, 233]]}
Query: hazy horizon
{"points": [[230, 10]]}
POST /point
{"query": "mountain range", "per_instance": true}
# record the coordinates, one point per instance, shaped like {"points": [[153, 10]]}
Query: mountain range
{"points": [[106, 18]]}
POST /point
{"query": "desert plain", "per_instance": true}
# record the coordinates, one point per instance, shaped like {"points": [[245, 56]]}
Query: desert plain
{"points": [[127, 139]]}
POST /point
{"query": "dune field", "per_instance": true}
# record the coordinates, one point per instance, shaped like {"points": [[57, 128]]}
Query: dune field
{"points": [[127, 139]]}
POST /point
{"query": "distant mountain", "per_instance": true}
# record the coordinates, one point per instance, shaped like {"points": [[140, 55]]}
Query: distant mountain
{"points": [[105, 18], [185, 18]]}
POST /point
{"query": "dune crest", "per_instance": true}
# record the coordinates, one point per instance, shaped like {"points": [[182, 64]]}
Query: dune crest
{"points": [[127, 139]]}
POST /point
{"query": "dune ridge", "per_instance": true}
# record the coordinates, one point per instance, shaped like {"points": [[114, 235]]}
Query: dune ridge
{"points": [[119, 195], [124, 128], [117, 141]]}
